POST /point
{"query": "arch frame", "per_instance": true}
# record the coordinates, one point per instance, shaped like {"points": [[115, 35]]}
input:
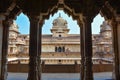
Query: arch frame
{"points": [[54, 9]]}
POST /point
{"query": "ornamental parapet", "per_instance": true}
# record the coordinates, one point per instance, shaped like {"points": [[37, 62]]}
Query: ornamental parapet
{"points": [[50, 55], [56, 58]]}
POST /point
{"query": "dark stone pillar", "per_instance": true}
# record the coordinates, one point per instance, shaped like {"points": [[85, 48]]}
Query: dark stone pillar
{"points": [[33, 49], [6, 25], [40, 47], [116, 51], [82, 53], [88, 73]]}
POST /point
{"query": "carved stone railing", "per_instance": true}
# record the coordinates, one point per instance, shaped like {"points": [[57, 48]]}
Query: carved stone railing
{"points": [[61, 54], [50, 55], [57, 58]]}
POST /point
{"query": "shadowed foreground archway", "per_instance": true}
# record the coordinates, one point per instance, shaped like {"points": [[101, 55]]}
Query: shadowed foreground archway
{"points": [[39, 10]]}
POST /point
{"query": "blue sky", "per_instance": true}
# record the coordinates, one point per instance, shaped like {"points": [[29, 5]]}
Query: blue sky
{"points": [[23, 23]]}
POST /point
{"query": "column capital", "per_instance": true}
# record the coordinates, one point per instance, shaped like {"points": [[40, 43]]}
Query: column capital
{"points": [[87, 19], [34, 18]]}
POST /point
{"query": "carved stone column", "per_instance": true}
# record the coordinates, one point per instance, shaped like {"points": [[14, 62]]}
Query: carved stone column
{"points": [[116, 70], [33, 49], [88, 73], [6, 24], [2, 17], [82, 52], [40, 47]]}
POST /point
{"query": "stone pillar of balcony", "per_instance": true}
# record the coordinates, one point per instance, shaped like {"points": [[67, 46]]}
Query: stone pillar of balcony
{"points": [[2, 17], [6, 24], [82, 52], [118, 47], [33, 49], [88, 73], [116, 32], [40, 47]]}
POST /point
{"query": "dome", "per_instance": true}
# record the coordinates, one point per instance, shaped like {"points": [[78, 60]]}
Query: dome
{"points": [[60, 22], [59, 27], [105, 26], [14, 27]]}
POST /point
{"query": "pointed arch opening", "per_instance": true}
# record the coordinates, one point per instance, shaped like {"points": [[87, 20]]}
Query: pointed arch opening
{"points": [[18, 46], [61, 41], [102, 43]]}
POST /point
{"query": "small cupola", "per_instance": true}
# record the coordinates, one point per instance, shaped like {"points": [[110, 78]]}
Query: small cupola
{"points": [[59, 28]]}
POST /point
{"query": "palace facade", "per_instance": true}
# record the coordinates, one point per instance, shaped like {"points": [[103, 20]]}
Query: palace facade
{"points": [[60, 47]]}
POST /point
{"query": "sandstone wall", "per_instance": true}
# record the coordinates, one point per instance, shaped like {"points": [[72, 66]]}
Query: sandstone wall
{"points": [[73, 68]]}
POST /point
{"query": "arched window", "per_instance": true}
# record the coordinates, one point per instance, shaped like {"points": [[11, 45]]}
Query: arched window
{"points": [[59, 49]]}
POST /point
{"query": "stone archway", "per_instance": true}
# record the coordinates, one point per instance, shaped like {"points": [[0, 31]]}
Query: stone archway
{"points": [[109, 14], [53, 10], [86, 11], [34, 40]]}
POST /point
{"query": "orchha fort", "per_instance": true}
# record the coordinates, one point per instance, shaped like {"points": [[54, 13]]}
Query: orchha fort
{"points": [[60, 47]]}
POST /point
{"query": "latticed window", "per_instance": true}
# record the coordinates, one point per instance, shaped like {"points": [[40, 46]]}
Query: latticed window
{"points": [[60, 49]]}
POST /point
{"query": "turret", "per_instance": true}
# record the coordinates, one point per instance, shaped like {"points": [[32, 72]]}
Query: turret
{"points": [[60, 28]]}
